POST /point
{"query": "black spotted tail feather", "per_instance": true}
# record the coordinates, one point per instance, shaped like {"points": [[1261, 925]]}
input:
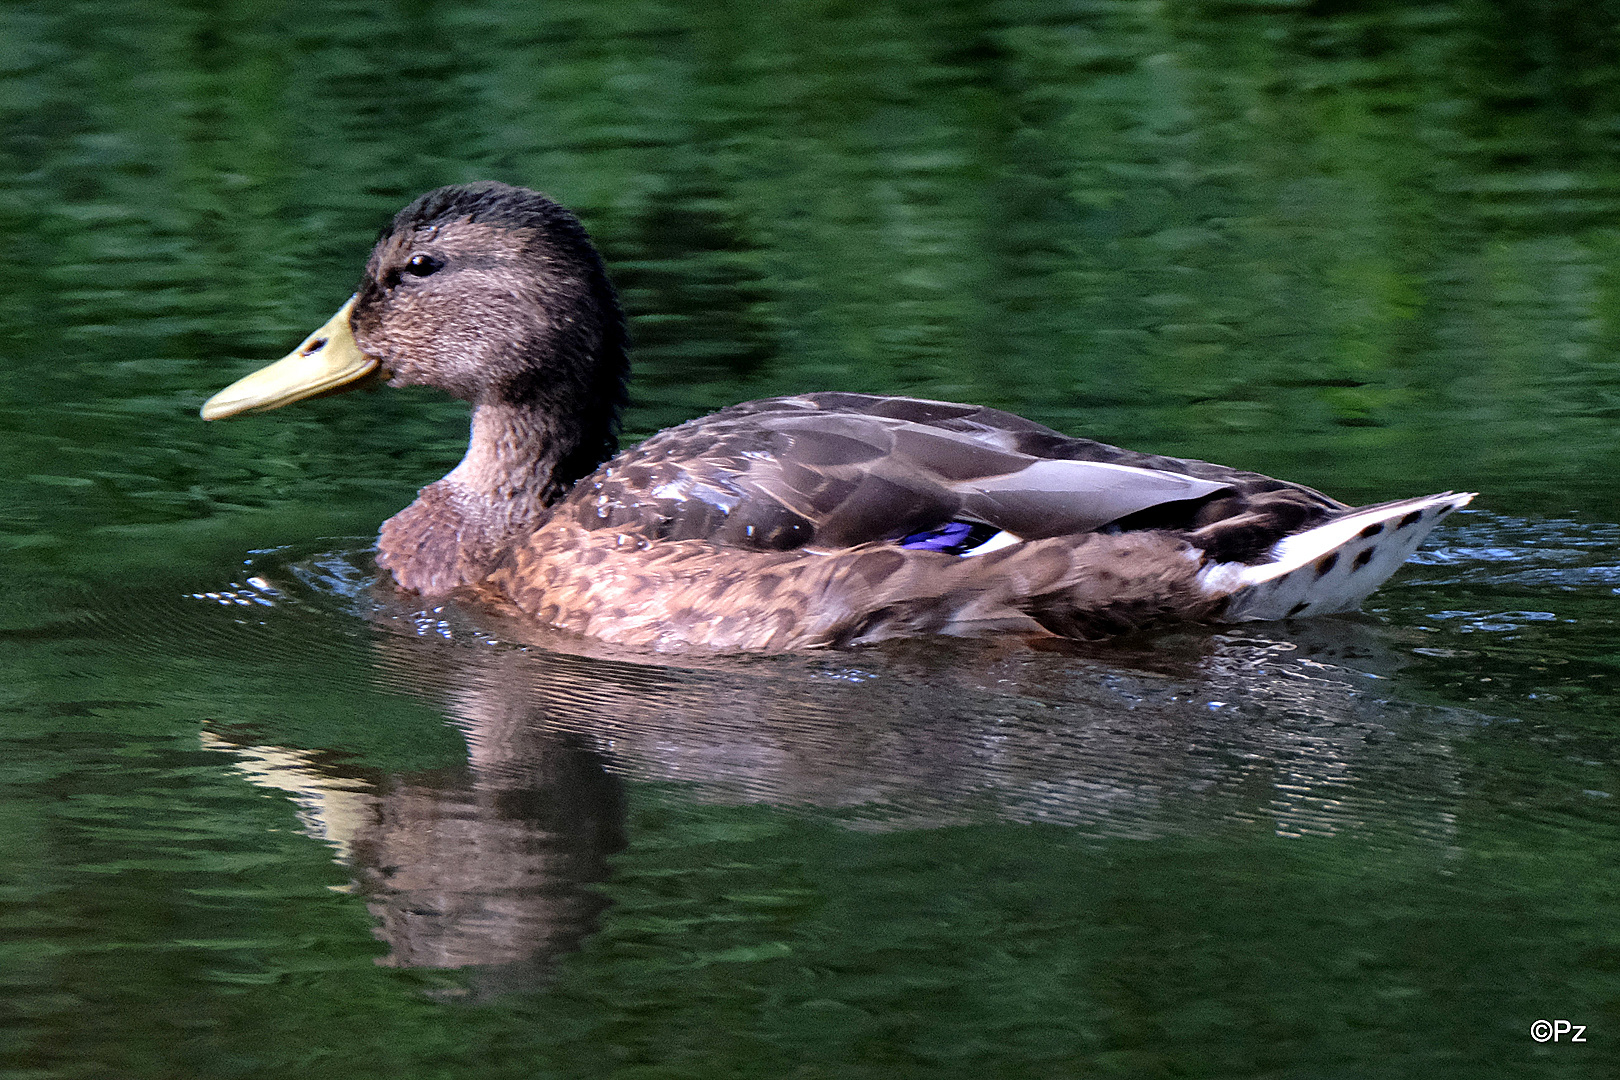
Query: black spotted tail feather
{"points": [[1331, 568]]}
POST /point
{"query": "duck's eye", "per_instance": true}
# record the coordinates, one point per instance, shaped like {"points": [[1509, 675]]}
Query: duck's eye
{"points": [[423, 265]]}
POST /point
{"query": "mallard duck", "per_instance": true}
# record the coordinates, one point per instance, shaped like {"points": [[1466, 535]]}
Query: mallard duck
{"points": [[812, 520]]}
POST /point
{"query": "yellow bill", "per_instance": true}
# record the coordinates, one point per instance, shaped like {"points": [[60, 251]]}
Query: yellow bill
{"points": [[327, 361]]}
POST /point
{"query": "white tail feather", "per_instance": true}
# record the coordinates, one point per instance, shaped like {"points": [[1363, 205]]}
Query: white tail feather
{"points": [[1333, 567]]}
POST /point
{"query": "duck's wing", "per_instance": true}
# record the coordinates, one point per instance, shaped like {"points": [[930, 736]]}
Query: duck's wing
{"points": [[836, 470]]}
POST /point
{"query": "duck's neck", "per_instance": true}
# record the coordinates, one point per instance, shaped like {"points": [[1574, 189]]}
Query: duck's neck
{"points": [[520, 459], [512, 462]]}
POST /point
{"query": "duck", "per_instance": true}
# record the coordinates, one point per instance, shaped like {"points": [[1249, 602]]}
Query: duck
{"points": [[814, 520]]}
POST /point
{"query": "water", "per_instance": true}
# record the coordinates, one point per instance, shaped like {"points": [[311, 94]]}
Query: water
{"points": [[262, 818]]}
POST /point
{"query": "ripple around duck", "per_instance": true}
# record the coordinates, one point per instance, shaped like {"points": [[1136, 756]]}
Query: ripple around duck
{"points": [[1296, 723], [1477, 539], [1181, 732]]}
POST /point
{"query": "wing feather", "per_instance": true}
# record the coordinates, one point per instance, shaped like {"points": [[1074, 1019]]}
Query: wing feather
{"points": [[834, 470]]}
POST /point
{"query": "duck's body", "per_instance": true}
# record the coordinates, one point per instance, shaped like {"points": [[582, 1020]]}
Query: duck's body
{"points": [[794, 522]]}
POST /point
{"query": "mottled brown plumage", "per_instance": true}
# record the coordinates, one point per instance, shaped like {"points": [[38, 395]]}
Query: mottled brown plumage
{"points": [[773, 524]]}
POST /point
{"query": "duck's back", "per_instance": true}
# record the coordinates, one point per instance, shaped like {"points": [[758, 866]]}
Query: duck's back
{"points": [[833, 470]]}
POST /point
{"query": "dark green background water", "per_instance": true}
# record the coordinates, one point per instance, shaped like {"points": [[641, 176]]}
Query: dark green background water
{"points": [[260, 819]]}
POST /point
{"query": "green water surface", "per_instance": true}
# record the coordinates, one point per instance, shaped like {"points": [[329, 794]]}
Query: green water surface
{"points": [[260, 817]]}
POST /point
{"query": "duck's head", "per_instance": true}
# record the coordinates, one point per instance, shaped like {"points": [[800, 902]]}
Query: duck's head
{"points": [[494, 294]]}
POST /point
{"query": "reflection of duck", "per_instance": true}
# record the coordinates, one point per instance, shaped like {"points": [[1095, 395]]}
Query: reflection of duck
{"points": [[810, 520], [569, 758], [493, 869]]}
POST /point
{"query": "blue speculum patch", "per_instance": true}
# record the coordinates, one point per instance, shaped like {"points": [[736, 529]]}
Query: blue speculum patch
{"points": [[953, 537]]}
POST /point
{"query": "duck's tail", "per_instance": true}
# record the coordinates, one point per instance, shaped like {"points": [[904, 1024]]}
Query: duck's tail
{"points": [[1333, 567]]}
